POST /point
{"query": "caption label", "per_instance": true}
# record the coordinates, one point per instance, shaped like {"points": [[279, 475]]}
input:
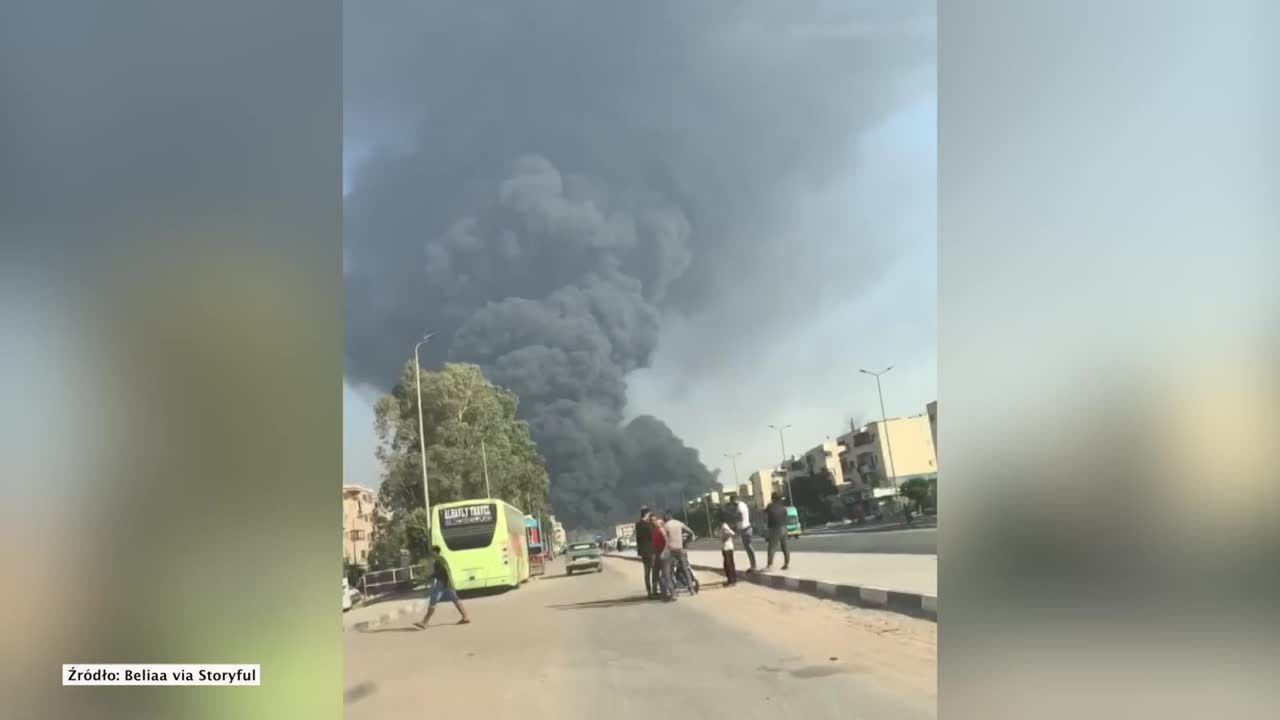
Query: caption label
{"points": [[152, 674]]}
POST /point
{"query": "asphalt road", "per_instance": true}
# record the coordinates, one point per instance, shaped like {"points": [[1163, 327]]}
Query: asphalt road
{"points": [[590, 646], [907, 542]]}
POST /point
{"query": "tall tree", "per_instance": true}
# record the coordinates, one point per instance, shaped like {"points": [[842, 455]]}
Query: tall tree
{"points": [[460, 409]]}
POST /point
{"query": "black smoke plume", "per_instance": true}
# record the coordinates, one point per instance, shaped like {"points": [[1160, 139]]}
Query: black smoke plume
{"points": [[578, 168]]}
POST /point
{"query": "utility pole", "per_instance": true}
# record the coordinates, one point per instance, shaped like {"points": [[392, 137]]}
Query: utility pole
{"points": [[733, 457], [484, 461], [786, 472], [422, 435], [884, 422]]}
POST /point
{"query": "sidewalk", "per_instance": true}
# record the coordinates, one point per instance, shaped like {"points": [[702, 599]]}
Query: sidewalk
{"points": [[903, 583], [899, 573], [928, 522]]}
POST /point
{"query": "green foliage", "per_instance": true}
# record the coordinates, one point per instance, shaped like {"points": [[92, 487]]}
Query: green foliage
{"points": [[459, 408], [917, 490], [384, 551], [417, 535]]}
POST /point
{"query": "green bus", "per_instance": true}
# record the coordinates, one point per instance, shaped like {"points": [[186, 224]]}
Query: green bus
{"points": [[483, 541]]}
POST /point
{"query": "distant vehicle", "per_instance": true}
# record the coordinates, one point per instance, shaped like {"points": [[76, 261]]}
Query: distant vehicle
{"points": [[484, 542], [533, 537], [583, 556], [793, 522]]}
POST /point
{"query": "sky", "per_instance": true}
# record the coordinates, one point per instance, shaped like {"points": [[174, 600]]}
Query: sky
{"points": [[738, 199], [807, 376]]}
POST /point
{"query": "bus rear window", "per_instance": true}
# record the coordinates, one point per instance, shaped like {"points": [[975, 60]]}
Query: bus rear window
{"points": [[468, 527]]}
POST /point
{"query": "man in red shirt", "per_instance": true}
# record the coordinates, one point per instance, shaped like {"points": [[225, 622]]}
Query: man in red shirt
{"points": [[661, 557]]}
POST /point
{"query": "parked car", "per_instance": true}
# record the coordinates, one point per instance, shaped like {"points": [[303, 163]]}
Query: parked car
{"points": [[349, 595], [581, 557]]}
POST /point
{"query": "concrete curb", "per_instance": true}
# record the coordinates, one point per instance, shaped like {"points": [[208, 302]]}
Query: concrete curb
{"points": [[415, 608], [913, 604]]}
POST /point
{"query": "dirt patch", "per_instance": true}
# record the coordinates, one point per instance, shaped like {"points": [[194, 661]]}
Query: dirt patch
{"points": [[897, 652]]}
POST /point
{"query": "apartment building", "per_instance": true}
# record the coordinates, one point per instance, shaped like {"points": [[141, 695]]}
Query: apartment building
{"points": [[557, 533], [884, 453], [762, 483], [820, 459], [358, 505], [932, 411]]}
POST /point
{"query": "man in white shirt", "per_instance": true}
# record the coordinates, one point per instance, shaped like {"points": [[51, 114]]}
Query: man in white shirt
{"points": [[677, 534], [743, 523]]}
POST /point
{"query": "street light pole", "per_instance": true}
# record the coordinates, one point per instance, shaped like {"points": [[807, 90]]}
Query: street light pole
{"points": [[484, 462], [733, 457], [884, 421], [422, 435], [786, 472]]}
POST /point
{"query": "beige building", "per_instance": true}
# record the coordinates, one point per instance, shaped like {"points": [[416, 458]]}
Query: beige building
{"points": [[358, 505], [762, 482], [882, 454], [557, 533], [823, 457], [932, 410]]}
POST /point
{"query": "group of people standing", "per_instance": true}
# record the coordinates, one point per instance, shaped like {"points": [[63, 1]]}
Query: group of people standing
{"points": [[660, 543]]}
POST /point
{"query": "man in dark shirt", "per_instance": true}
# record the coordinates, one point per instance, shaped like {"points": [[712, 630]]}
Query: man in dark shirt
{"points": [[644, 548], [776, 514], [441, 589]]}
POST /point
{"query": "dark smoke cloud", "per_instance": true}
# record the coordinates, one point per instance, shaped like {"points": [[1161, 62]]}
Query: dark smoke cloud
{"points": [[578, 169]]}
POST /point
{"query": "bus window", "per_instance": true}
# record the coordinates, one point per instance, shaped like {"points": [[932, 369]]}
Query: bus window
{"points": [[468, 527]]}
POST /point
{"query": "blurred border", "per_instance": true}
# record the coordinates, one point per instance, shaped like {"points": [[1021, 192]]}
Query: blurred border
{"points": [[170, 303], [1108, 226]]}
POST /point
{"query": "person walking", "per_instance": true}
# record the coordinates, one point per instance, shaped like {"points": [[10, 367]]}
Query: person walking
{"points": [[441, 589], [661, 558], [776, 517], [677, 533], [742, 520], [726, 549], [644, 548]]}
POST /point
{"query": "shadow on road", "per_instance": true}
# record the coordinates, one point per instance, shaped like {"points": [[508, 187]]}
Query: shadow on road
{"points": [[594, 604], [358, 692], [483, 592], [559, 576]]}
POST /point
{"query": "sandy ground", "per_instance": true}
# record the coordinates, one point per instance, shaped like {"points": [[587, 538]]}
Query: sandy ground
{"points": [[590, 646]]}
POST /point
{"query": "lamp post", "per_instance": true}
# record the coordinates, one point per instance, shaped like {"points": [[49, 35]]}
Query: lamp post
{"points": [[786, 472], [422, 435], [733, 457], [884, 422], [484, 463]]}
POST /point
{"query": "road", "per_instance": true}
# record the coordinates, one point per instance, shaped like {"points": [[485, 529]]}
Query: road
{"points": [[590, 646], [905, 542]]}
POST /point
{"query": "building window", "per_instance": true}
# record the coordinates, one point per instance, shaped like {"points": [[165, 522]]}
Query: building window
{"points": [[357, 534], [364, 555]]}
